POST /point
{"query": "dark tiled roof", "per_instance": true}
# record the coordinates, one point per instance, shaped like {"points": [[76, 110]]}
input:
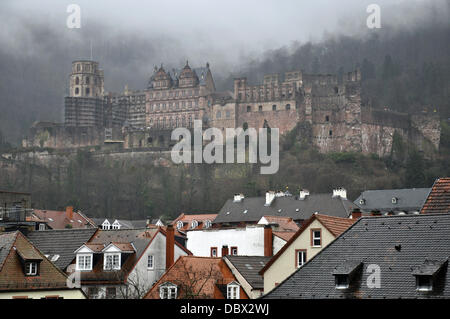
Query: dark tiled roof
{"points": [[6, 242], [249, 267], [62, 242], [438, 200], [408, 200], [397, 244], [284, 206]]}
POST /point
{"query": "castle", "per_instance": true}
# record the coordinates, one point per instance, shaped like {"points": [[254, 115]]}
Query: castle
{"points": [[324, 108]]}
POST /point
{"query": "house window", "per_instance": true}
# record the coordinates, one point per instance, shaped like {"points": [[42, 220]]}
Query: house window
{"points": [[87, 91], [233, 291], [31, 268], [92, 292], [342, 281], [207, 223], [150, 264], [213, 251], [77, 91], [234, 251], [194, 224], [84, 262], [260, 108], [111, 293], [288, 106], [316, 238], [274, 107], [330, 133], [41, 226], [424, 283], [112, 261], [168, 291], [327, 118], [249, 108], [300, 257], [180, 224], [77, 81]]}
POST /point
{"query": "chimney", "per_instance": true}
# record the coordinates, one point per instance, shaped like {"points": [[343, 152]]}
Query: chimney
{"points": [[268, 241], [238, 198], [270, 196], [69, 212], [341, 192], [356, 213], [303, 194], [170, 243], [224, 250], [148, 221]]}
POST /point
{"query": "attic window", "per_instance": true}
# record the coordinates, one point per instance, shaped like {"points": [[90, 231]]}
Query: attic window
{"points": [[111, 261], [55, 258], [179, 224], [233, 290], [194, 224], [424, 283], [426, 274], [31, 268], [342, 281], [168, 291], [207, 223]]}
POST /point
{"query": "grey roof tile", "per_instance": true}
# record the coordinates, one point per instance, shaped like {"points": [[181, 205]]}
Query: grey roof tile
{"points": [[249, 267]]}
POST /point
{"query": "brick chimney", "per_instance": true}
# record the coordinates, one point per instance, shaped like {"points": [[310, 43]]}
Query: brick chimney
{"points": [[268, 241], [224, 250], [356, 213], [170, 243], [69, 212]]}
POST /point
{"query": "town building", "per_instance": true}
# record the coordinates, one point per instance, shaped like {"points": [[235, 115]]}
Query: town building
{"points": [[59, 245], [67, 219], [242, 210], [186, 222], [246, 270], [25, 273], [392, 201], [314, 235], [385, 257], [193, 277], [125, 263]]}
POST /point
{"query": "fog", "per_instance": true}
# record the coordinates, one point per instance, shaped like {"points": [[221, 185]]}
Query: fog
{"points": [[130, 37]]}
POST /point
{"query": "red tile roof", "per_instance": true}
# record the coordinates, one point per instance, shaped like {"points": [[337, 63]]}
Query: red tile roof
{"points": [[59, 219], [197, 278], [187, 219], [285, 235], [438, 200], [285, 223]]}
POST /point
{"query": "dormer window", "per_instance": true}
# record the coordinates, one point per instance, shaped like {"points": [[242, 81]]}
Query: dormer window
{"points": [[116, 225], [233, 289], [194, 224], [84, 262], [31, 268], [316, 237], [168, 291], [111, 261], [426, 274], [180, 224], [106, 225], [207, 223], [345, 273]]}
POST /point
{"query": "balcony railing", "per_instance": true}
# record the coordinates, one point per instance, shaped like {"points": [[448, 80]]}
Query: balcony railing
{"points": [[14, 214]]}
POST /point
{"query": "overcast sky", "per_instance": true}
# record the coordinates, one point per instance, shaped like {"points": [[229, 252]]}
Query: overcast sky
{"points": [[222, 32]]}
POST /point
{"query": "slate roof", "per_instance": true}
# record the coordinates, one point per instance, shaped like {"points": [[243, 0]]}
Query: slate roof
{"points": [[6, 242], [249, 267], [408, 200], [61, 242], [438, 200], [58, 219], [284, 206], [397, 244]]}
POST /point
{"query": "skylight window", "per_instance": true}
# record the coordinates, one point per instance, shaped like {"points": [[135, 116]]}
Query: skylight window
{"points": [[55, 258]]}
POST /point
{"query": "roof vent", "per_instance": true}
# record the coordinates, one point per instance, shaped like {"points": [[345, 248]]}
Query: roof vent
{"points": [[245, 211], [303, 194], [341, 192]]}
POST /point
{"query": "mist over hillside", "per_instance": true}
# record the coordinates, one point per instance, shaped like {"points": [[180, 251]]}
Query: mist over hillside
{"points": [[405, 64]]}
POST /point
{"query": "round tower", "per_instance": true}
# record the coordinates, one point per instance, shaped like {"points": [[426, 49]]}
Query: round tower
{"points": [[86, 79]]}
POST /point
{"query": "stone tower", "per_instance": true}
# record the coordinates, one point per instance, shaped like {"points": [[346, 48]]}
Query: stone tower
{"points": [[85, 104]]}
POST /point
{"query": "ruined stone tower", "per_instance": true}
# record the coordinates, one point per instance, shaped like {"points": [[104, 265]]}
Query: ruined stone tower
{"points": [[84, 105]]}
